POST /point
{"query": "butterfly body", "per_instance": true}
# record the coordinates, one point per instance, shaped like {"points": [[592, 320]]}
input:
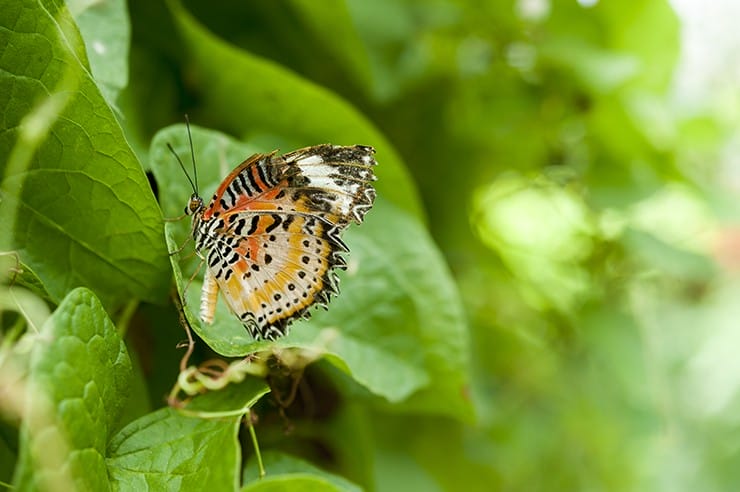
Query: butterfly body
{"points": [[270, 236]]}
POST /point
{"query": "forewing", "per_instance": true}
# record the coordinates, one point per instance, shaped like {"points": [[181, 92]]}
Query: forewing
{"points": [[330, 181]]}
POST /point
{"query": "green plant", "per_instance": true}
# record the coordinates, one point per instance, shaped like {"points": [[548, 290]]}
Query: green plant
{"points": [[87, 236], [544, 296]]}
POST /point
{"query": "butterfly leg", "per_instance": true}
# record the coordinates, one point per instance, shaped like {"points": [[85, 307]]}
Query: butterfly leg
{"points": [[185, 243], [208, 297], [190, 281], [175, 219]]}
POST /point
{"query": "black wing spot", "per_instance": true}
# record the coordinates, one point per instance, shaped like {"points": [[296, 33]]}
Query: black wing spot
{"points": [[253, 226], [288, 220], [239, 227], [276, 220]]}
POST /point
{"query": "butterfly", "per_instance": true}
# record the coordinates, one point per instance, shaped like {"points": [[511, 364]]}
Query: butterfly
{"points": [[270, 236]]}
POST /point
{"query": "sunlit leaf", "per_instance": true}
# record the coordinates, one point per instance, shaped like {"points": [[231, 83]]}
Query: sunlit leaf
{"points": [[77, 386], [79, 188]]}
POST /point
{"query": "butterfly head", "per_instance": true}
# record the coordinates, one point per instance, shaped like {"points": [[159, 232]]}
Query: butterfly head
{"points": [[195, 205]]}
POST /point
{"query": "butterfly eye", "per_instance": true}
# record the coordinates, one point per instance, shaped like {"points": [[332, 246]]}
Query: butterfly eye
{"points": [[194, 205]]}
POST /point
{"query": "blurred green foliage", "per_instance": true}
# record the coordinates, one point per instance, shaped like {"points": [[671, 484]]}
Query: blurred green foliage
{"points": [[588, 340]]}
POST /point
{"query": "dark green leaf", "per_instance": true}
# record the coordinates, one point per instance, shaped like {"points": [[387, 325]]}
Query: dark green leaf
{"points": [[342, 40], [256, 96]]}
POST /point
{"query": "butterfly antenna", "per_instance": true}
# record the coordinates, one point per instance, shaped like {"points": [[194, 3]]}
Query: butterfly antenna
{"points": [[179, 161], [192, 153]]}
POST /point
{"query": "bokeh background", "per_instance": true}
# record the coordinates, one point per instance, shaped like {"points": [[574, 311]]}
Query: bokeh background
{"points": [[578, 166]]}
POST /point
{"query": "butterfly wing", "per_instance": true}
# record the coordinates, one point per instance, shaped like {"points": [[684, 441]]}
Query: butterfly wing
{"points": [[331, 181], [275, 255]]}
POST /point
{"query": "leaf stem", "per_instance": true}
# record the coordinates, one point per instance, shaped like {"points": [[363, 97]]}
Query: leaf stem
{"points": [[255, 444]]}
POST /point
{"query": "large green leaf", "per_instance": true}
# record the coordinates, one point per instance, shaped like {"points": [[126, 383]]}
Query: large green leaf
{"points": [[167, 450], [77, 386], [401, 327], [76, 204], [397, 327], [251, 95]]}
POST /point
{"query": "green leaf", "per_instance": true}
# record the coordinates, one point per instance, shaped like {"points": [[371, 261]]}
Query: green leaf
{"points": [[341, 41], [255, 96], [397, 327], [71, 180], [105, 27], [294, 482], [167, 450], [232, 398], [288, 471], [400, 328], [77, 386]]}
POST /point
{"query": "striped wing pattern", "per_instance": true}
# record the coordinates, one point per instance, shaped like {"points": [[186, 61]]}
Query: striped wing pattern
{"points": [[271, 234]]}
